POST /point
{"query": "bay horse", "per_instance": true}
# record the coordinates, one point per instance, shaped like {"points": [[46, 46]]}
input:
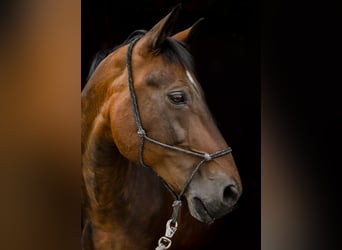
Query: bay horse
{"points": [[153, 160]]}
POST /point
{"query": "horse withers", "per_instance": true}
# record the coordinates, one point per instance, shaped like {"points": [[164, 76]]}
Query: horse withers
{"points": [[155, 168]]}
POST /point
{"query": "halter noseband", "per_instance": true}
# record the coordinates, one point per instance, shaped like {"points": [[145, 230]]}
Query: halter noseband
{"points": [[165, 241]]}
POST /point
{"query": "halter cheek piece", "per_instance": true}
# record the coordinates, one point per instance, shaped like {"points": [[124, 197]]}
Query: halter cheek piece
{"points": [[171, 226]]}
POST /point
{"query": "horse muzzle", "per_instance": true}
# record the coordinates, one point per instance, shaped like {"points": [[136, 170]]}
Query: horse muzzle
{"points": [[209, 200]]}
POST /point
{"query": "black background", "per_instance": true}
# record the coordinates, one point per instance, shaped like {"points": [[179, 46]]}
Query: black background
{"points": [[301, 72], [227, 60]]}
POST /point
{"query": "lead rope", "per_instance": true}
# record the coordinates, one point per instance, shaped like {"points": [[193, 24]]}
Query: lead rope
{"points": [[165, 241]]}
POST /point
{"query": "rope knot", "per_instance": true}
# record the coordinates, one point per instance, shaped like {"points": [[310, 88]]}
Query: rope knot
{"points": [[175, 205], [141, 132], [207, 157]]}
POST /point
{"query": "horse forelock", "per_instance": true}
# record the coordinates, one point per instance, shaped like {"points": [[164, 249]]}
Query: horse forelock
{"points": [[174, 52]]}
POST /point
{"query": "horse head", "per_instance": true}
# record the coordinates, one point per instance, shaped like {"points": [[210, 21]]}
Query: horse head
{"points": [[180, 138]]}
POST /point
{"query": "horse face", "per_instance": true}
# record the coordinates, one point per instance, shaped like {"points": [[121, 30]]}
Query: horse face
{"points": [[173, 111]]}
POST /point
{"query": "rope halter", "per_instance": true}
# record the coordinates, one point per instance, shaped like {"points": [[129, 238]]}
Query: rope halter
{"points": [[171, 225]]}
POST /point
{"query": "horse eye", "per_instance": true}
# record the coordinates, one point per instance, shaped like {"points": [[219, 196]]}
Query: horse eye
{"points": [[177, 97]]}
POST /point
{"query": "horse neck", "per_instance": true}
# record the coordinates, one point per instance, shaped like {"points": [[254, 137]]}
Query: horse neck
{"points": [[126, 194]]}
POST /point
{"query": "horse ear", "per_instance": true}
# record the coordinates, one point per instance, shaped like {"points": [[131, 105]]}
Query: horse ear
{"points": [[187, 36], [158, 34]]}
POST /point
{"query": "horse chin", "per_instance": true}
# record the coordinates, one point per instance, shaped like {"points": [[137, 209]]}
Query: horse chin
{"points": [[199, 211]]}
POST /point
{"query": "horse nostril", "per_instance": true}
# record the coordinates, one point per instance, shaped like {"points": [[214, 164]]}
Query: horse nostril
{"points": [[230, 195]]}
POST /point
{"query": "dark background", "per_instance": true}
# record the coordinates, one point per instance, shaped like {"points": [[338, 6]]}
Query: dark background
{"points": [[301, 90], [227, 59]]}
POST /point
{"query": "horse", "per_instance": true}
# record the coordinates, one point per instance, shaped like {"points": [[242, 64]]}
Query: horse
{"points": [[156, 170]]}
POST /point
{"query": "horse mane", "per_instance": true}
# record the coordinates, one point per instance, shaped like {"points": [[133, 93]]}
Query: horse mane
{"points": [[172, 50]]}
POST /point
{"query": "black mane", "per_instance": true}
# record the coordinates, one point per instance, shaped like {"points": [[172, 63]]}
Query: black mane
{"points": [[173, 51]]}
